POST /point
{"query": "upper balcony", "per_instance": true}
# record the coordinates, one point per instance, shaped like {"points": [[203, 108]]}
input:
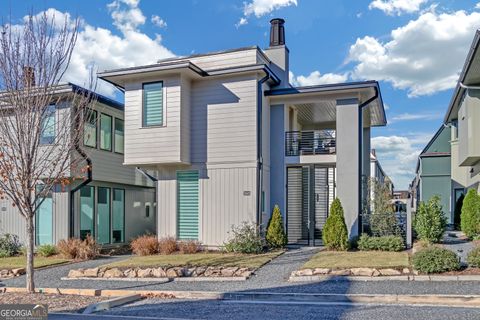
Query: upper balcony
{"points": [[311, 142]]}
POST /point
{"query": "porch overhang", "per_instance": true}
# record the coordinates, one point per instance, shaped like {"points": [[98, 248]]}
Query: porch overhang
{"points": [[322, 99]]}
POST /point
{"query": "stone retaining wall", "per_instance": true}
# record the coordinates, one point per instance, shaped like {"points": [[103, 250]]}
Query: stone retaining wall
{"points": [[160, 272], [9, 273], [365, 272]]}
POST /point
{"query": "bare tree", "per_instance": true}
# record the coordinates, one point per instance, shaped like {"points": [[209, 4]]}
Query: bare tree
{"points": [[41, 123]]}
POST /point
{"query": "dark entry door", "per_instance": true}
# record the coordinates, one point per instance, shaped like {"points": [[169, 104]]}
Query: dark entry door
{"points": [[308, 198]]}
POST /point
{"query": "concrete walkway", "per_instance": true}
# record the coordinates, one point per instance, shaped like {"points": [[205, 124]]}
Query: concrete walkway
{"points": [[458, 243]]}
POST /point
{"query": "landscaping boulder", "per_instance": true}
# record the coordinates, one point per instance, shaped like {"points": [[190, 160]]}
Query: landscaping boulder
{"points": [[304, 272], [18, 271], [4, 272], [228, 272], [144, 273], [159, 273], [389, 272], [130, 273], [189, 272], [375, 273], [92, 272], [171, 273], [318, 271], [113, 273], [406, 271], [199, 271], [75, 273], [340, 272], [209, 272], [367, 272]]}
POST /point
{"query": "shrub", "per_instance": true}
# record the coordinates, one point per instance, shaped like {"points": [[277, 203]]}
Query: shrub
{"points": [[470, 216], [145, 245], [335, 234], [473, 258], [9, 245], [435, 260], [385, 243], [244, 239], [457, 212], [276, 237], [430, 222], [167, 245], [77, 249], [46, 250], [384, 224], [189, 246]]}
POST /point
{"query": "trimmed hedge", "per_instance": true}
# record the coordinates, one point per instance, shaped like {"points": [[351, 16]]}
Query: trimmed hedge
{"points": [[385, 243], [470, 216], [435, 260], [335, 234], [430, 222], [473, 258]]}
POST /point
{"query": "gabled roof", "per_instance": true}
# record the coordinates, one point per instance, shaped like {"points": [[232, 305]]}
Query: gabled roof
{"points": [[469, 76]]}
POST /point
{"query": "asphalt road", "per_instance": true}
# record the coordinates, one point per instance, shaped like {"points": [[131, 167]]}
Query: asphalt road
{"points": [[234, 310]]}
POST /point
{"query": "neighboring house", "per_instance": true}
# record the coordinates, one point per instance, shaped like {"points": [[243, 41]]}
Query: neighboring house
{"points": [[463, 116], [228, 138], [433, 173], [117, 204]]}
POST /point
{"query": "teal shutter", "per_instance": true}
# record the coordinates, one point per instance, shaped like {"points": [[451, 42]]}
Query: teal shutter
{"points": [[153, 104], [187, 204]]}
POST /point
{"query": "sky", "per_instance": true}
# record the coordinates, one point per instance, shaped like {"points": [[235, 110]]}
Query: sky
{"points": [[414, 48]]}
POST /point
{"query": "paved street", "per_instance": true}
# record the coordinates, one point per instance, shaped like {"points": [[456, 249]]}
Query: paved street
{"points": [[229, 310]]}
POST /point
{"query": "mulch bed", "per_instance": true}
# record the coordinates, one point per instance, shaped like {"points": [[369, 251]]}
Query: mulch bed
{"points": [[463, 272], [55, 302]]}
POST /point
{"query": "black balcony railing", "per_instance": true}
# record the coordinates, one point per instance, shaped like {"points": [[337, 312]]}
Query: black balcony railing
{"points": [[299, 143]]}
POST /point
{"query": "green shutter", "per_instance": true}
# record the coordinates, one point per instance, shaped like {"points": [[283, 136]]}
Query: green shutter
{"points": [[187, 204], [153, 104]]}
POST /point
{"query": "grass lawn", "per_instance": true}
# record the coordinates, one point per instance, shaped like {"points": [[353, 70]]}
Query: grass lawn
{"points": [[20, 261], [358, 259], [202, 259]]}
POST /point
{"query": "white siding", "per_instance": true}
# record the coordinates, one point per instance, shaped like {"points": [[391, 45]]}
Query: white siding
{"points": [[153, 145], [224, 120], [226, 60]]}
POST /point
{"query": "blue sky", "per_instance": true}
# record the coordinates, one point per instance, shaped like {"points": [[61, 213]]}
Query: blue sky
{"points": [[415, 48]]}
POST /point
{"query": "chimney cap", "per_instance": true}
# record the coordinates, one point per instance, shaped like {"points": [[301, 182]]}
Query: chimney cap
{"points": [[277, 32]]}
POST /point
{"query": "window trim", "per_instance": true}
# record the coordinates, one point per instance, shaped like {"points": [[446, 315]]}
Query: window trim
{"points": [[55, 120], [96, 130], [111, 131], [164, 122], [115, 137]]}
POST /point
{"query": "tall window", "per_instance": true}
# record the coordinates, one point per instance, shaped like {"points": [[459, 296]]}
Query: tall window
{"points": [[103, 215], [105, 132], [118, 216], [44, 219], [90, 129], [153, 104], [87, 208], [119, 132], [47, 135]]}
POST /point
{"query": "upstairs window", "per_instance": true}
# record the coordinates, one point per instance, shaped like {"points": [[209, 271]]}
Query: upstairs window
{"points": [[119, 132], [153, 104], [47, 135], [105, 132], [90, 129]]}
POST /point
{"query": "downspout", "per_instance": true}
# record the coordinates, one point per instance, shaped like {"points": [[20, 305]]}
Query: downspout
{"points": [[360, 162], [259, 147], [84, 183]]}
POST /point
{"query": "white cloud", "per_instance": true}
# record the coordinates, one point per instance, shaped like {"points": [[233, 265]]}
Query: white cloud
{"points": [[477, 6], [398, 156], [159, 22], [416, 116], [397, 7], [316, 78], [424, 56], [102, 49], [259, 8]]}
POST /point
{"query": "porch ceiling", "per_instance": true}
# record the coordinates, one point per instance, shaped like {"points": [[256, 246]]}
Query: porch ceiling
{"points": [[315, 113]]}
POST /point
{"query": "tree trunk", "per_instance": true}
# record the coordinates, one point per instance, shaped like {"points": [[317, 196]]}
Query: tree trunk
{"points": [[30, 246]]}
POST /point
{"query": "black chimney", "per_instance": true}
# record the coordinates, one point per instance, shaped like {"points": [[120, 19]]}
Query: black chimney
{"points": [[277, 32]]}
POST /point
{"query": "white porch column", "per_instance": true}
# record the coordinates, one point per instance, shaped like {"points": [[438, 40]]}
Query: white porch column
{"points": [[349, 160]]}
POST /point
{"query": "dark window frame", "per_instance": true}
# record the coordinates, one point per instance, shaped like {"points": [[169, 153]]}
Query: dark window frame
{"points": [[144, 122]]}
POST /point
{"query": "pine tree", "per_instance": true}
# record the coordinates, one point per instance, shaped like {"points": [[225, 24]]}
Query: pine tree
{"points": [[470, 216], [276, 237], [335, 234]]}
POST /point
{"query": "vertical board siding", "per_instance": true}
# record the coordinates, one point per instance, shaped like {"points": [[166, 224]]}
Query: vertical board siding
{"points": [[187, 204]]}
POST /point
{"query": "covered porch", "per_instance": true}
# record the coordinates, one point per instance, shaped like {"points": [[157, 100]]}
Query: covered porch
{"points": [[320, 148]]}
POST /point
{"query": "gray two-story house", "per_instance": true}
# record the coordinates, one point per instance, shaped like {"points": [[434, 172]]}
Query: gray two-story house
{"points": [[111, 202], [227, 137]]}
